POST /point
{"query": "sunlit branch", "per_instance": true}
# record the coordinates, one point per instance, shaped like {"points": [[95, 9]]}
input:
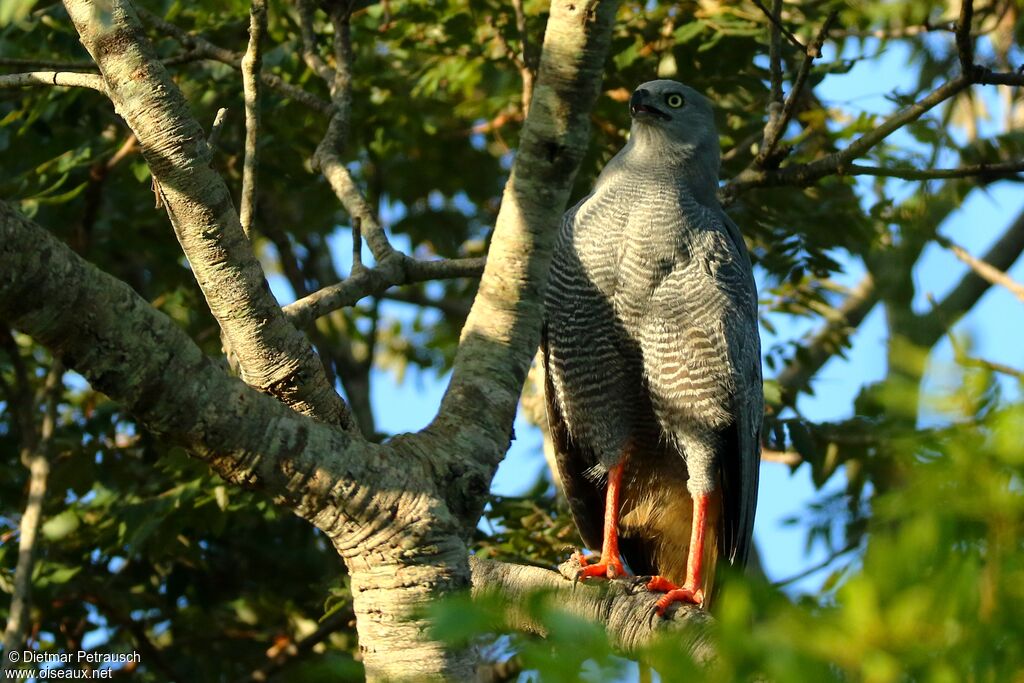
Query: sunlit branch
{"points": [[627, 615], [814, 569], [36, 454], [984, 269], [274, 356], [252, 64], [328, 153], [775, 71], [65, 79], [929, 327], [396, 270], [310, 54], [217, 127]]}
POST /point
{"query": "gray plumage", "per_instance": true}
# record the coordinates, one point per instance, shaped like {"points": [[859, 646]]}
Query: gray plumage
{"points": [[651, 340]]}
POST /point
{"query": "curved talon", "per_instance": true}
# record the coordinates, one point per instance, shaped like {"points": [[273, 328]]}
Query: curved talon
{"points": [[694, 596]]}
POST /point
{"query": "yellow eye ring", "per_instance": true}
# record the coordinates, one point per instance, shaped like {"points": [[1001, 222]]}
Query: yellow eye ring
{"points": [[674, 100]]}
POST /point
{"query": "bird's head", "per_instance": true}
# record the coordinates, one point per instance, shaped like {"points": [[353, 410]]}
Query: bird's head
{"points": [[677, 119]]}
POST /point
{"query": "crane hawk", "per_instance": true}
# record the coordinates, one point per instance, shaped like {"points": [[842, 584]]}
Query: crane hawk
{"points": [[652, 357]]}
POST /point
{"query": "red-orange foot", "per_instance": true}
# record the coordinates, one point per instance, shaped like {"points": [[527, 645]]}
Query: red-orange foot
{"points": [[694, 596], [604, 570], [659, 584]]}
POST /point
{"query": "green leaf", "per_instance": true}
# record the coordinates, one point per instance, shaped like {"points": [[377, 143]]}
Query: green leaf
{"points": [[61, 525]]}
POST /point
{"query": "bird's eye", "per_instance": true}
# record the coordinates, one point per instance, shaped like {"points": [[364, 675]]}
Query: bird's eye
{"points": [[674, 100]]}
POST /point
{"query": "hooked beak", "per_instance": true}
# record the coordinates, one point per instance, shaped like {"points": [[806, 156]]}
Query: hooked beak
{"points": [[640, 110]]}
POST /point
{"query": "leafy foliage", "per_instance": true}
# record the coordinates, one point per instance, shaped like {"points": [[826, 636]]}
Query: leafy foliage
{"points": [[145, 550]]}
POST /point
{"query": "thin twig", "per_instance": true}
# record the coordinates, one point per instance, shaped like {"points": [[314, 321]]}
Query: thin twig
{"points": [[964, 44], [985, 270], [779, 127], [210, 51], [98, 174], [37, 453], [66, 79], [814, 569], [806, 174], [775, 16], [328, 153], [775, 69], [357, 244], [998, 169], [252, 64], [394, 271], [310, 54], [217, 127], [991, 366], [929, 327], [527, 70]]}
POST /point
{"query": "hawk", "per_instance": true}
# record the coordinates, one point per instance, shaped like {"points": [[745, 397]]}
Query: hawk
{"points": [[653, 359]]}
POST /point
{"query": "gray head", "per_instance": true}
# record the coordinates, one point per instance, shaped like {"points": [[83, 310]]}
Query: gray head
{"points": [[675, 122]]}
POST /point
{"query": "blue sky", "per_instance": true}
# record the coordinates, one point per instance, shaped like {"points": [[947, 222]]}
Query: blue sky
{"points": [[409, 405]]}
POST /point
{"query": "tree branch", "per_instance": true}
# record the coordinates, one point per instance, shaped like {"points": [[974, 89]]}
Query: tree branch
{"points": [[66, 79], [397, 270], [796, 376], [252, 64], [36, 455], [776, 128], [310, 54], [964, 44], [771, 126], [216, 128], [985, 76], [274, 357], [628, 617], [930, 327], [351, 489], [990, 274], [502, 331], [327, 157], [1008, 169], [775, 16], [210, 51], [806, 174]]}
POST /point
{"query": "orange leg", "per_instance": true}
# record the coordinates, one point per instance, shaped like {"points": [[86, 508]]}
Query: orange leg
{"points": [[610, 565], [691, 591]]}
